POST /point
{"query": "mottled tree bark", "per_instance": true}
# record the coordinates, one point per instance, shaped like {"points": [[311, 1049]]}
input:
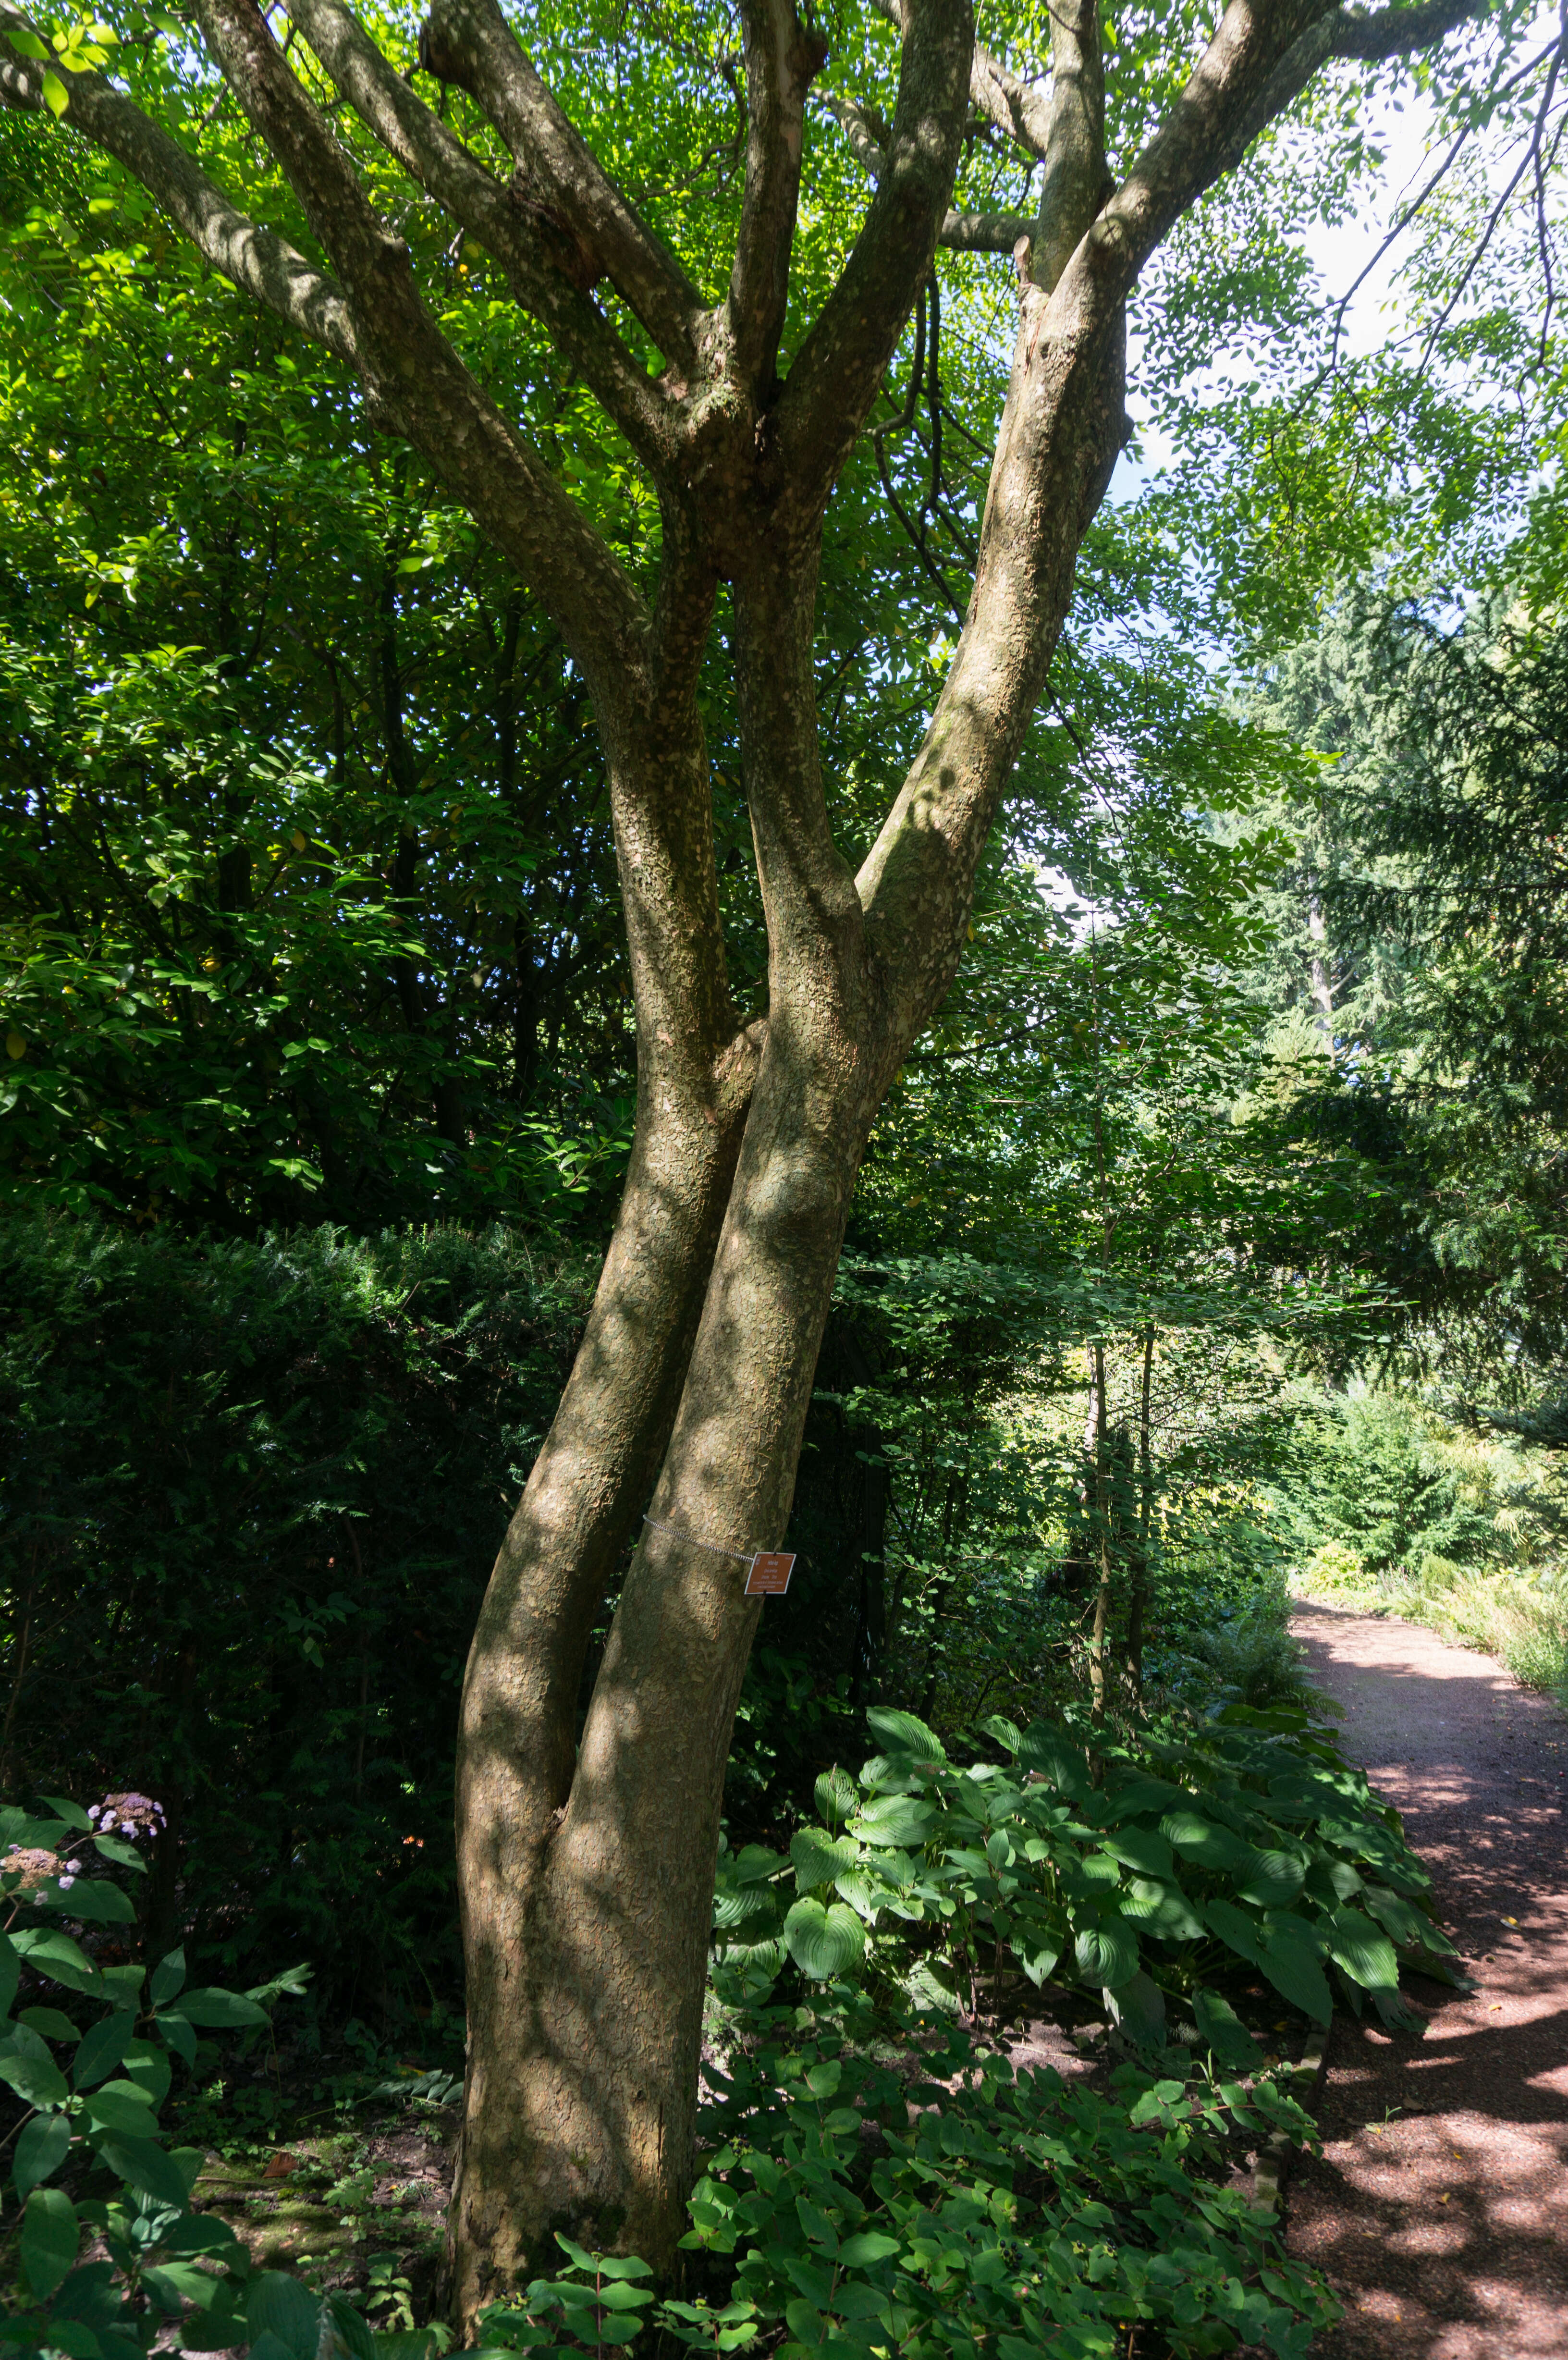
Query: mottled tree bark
{"points": [[586, 1874]]}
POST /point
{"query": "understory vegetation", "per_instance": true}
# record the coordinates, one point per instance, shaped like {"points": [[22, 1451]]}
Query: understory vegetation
{"points": [[1208, 1246]]}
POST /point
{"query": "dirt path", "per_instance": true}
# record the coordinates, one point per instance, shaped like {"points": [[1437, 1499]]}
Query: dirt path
{"points": [[1440, 2209]]}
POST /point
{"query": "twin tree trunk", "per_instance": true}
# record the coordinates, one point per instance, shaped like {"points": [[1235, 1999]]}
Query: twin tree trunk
{"points": [[586, 1872]]}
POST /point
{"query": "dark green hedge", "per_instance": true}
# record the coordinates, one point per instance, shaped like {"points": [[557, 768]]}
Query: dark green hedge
{"points": [[250, 1497]]}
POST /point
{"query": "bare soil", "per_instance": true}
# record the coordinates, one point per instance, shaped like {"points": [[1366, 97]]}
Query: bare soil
{"points": [[1439, 2211]]}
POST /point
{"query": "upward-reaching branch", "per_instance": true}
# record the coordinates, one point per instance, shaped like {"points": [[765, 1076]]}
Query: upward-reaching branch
{"points": [[1061, 432], [1075, 182], [415, 381], [469, 42], [544, 263], [840, 364], [254, 257], [781, 57]]}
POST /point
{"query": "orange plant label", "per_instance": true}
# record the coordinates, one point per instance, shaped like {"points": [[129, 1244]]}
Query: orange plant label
{"points": [[769, 1574]]}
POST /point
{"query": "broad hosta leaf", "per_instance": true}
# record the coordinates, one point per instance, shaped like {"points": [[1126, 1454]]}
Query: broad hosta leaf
{"points": [[1272, 1879], [1222, 2030], [1162, 1910], [901, 1733], [1290, 1960], [1139, 1796], [10, 1974], [835, 1795], [50, 2239], [901, 1821], [1204, 1845], [753, 1863], [1138, 2008], [1054, 1755], [748, 1915], [1106, 1954], [42, 2147], [824, 1943], [1362, 1950], [817, 1857], [1235, 1928], [1406, 1925], [1143, 1848]]}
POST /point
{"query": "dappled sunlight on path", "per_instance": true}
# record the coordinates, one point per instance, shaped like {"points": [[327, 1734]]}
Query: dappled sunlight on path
{"points": [[1440, 2209]]}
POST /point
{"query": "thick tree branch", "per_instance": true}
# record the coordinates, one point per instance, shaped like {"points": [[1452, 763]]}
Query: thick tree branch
{"points": [[255, 258], [1061, 428], [1019, 109], [415, 383], [1075, 183], [469, 42], [543, 263], [781, 57], [963, 233], [840, 364]]}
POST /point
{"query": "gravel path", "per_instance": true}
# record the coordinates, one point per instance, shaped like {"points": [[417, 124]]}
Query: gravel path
{"points": [[1440, 2209]]}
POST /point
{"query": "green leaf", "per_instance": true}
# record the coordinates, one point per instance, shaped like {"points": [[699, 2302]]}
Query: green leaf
{"points": [[901, 1733], [225, 2010], [32, 2072], [870, 2246], [822, 1942], [180, 2035], [1242, 1933], [122, 2107], [42, 2147], [281, 2306], [10, 1974], [50, 2235], [57, 98], [1291, 1963], [28, 43], [71, 1813], [100, 1904], [114, 1848], [58, 1958], [1138, 2007], [899, 1822], [166, 1978], [1222, 2030], [106, 2046], [1163, 1910], [1140, 1848], [148, 2067], [49, 2024], [817, 1857], [143, 2164], [1272, 1879], [353, 2331], [1207, 1846], [1362, 1951], [1055, 1757], [1106, 1954], [835, 1795]]}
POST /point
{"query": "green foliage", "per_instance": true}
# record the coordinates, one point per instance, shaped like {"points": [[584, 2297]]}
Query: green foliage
{"points": [[1145, 1869], [251, 1498], [878, 2181], [90, 2161]]}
